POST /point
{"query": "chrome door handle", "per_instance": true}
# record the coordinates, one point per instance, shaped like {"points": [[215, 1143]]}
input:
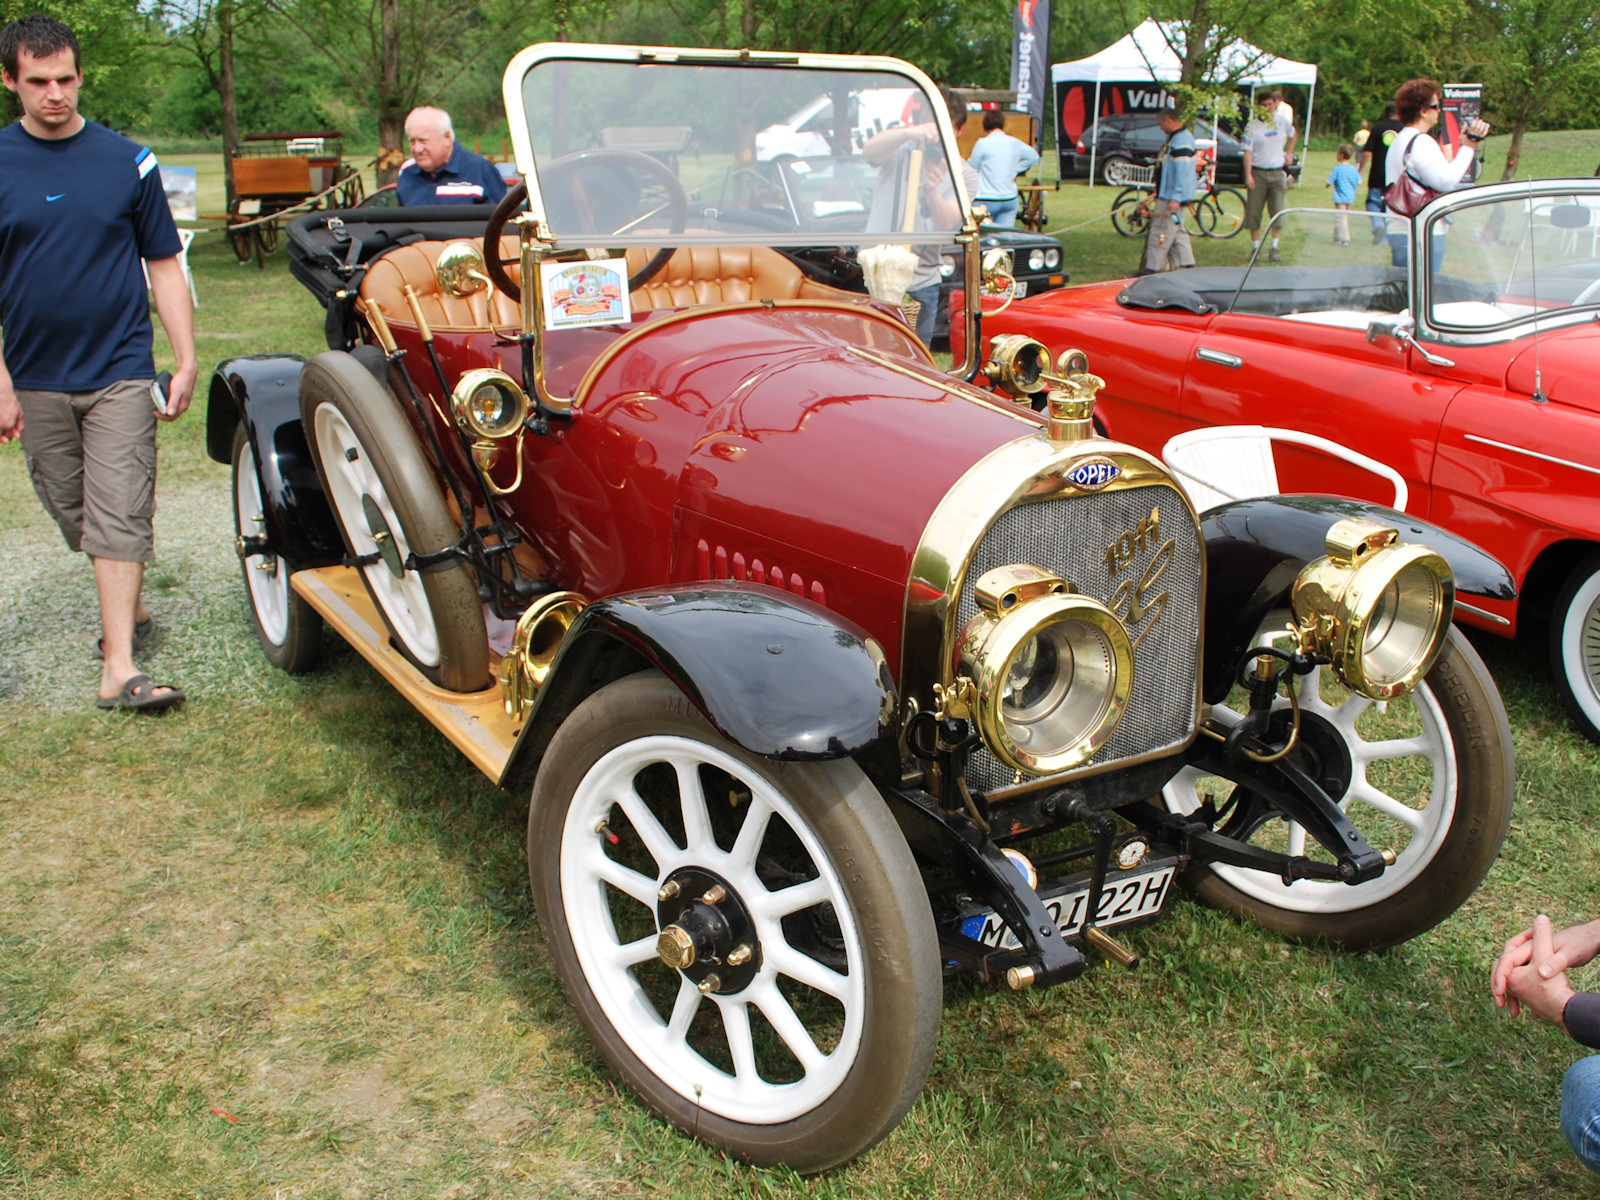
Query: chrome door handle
{"points": [[1218, 357]]}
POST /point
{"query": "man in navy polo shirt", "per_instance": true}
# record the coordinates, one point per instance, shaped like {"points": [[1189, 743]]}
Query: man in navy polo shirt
{"points": [[441, 172], [79, 207]]}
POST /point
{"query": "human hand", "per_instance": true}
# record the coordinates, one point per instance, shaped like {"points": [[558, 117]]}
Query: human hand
{"points": [[1543, 994], [10, 414], [1570, 947], [1249, 180], [180, 391], [1478, 129]]}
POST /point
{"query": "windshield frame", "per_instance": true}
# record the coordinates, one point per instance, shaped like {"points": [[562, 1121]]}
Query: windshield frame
{"points": [[1429, 219], [542, 53]]}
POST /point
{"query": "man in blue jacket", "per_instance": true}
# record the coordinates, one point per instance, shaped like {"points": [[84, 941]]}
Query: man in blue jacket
{"points": [[79, 207], [1166, 244], [439, 170]]}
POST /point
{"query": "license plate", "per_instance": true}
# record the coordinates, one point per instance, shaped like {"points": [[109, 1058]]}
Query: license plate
{"points": [[1020, 290], [1126, 898]]}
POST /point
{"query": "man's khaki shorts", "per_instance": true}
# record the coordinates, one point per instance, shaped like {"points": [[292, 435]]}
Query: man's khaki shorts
{"points": [[92, 456]]}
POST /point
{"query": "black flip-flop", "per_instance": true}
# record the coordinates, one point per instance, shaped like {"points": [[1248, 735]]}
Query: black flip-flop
{"points": [[141, 634], [139, 695]]}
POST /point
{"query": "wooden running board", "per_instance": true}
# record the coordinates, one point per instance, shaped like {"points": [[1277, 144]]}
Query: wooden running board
{"points": [[475, 721]]}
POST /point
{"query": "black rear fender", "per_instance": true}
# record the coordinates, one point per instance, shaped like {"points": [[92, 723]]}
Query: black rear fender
{"points": [[262, 392]]}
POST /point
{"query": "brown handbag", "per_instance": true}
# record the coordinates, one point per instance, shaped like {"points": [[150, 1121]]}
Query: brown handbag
{"points": [[1407, 196]]}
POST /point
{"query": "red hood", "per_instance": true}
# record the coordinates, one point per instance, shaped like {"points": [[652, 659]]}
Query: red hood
{"points": [[1568, 362]]}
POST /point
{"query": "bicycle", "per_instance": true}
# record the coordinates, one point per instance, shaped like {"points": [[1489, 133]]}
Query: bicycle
{"points": [[1217, 212]]}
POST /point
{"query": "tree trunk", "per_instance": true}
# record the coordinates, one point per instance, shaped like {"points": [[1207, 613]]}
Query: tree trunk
{"points": [[391, 120], [228, 93], [1514, 151]]}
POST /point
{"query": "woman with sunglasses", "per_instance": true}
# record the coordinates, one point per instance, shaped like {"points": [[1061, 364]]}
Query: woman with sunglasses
{"points": [[1412, 150], [1418, 104]]}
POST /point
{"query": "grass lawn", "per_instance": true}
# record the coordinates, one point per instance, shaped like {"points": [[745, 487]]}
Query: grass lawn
{"points": [[279, 943]]}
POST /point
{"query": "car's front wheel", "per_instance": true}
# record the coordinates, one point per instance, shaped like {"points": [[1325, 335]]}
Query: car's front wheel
{"points": [[748, 942], [1428, 775], [389, 509], [1117, 170], [1575, 646], [289, 629]]}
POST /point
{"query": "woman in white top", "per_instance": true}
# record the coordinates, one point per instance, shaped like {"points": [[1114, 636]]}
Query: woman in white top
{"points": [[1418, 102]]}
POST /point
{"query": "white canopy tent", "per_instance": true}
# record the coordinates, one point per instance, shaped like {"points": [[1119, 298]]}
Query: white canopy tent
{"points": [[1146, 54]]}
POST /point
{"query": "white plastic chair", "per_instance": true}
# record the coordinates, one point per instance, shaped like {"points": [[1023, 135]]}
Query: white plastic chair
{"points": [[1234, 462], [186, 237]]}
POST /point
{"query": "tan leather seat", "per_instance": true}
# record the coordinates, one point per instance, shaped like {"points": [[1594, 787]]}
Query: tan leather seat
{"points": [[725, 274], [695, 275], [414, 264]]}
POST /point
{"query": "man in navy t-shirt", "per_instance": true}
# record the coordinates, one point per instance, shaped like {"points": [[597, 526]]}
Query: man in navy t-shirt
{"points": [[79, 207], [441, 172]]}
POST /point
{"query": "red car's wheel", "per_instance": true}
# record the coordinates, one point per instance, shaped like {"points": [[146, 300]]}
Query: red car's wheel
{"points": [[1575, 646], [748, 942]]}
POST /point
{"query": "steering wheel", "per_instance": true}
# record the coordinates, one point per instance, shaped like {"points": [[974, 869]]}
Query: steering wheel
{"points": [[1587, 294], [591, 212]]}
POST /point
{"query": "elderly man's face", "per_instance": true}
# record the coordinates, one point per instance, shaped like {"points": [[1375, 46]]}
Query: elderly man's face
{"points": [[430, 143]]}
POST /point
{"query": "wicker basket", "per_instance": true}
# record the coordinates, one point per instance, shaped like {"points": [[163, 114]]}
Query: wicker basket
{"points": [[910, 310]]}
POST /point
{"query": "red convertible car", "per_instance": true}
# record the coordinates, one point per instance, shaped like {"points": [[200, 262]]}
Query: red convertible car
{"points": [[1472, 367], [827, 673]]}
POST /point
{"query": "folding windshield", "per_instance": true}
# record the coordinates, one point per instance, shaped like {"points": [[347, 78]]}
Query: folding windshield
{"points": [[1509, 258], [633, 147]]}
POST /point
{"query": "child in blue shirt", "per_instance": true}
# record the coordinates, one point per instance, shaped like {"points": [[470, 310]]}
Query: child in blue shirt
{"points": [[1344, 181]]}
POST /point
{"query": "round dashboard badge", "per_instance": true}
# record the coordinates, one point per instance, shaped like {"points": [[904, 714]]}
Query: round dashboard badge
{"points": [[1131, 853]]}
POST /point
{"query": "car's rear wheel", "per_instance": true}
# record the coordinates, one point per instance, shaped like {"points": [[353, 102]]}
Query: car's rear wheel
{"points": [[1126, 217], [1117, 170], [389, 508], [802, 1026], [289, 629], [1575, 646], [1429, 775]]}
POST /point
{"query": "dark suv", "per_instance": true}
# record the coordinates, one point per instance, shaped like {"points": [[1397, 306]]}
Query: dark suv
{"points": [[1134, 139]]}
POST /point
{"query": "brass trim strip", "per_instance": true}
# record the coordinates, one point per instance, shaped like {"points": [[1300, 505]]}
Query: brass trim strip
{"points": [[580, 394], [945, 384]]}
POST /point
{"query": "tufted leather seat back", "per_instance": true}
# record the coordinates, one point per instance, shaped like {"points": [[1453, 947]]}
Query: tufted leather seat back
{"points": [[725, 274], [414, 264]]}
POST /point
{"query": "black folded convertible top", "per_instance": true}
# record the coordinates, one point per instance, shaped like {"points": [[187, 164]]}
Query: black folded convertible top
{"points": [[329, 252]]}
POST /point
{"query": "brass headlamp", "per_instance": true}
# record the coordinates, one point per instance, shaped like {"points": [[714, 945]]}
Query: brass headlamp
{"points": [[488, 403], [1379, 609], [1051, 670]]}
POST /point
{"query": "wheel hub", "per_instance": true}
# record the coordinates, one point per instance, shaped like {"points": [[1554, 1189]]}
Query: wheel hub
{"points": [[707, 931], [1321, 751], [388, 550]]}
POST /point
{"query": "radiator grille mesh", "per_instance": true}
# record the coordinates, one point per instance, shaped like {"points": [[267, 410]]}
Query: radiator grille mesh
{"points": [[1069, 536]]}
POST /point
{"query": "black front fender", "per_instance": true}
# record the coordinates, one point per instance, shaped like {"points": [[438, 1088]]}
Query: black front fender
{"points": [[262, 392], [1255, 549], [775, 674]]}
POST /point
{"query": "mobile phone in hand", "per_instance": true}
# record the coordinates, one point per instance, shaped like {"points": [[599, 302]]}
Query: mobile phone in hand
{"points": [[160, 392]]}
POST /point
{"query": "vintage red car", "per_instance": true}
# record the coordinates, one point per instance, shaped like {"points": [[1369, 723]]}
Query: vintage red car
{"points": [[1472, 367], [828, 673]]}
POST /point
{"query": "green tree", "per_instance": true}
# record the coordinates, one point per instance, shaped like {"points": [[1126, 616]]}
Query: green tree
{"points": [[119, 47], [395, 54], [1532, 54]]}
